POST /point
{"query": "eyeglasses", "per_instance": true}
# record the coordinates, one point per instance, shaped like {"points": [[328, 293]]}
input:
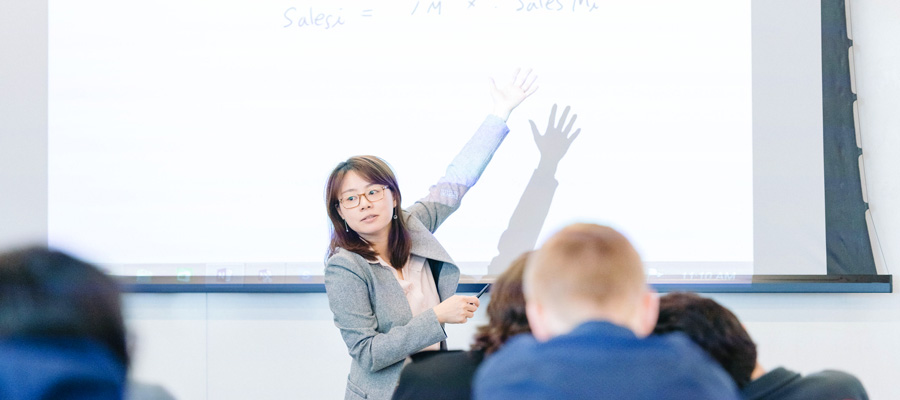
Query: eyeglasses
{"points": [[373, 195]]}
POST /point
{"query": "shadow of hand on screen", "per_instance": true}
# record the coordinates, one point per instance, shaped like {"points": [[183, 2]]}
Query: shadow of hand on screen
{"points": [[528, 218], [555, 141]]}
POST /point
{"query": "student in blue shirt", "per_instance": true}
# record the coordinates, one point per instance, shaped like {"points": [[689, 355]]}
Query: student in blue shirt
{"points": [[590, 312]]}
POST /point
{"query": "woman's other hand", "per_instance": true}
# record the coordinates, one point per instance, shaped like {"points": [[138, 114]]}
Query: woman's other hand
{"points": [[456, 309], [508, 95]]}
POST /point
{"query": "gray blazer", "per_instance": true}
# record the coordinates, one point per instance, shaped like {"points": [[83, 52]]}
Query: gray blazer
{"points": [[369, 306]]}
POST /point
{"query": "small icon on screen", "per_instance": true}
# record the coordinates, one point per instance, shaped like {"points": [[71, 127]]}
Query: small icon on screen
{"points": [[183, 275], [265, 276], [305, 275], [224, 274]]}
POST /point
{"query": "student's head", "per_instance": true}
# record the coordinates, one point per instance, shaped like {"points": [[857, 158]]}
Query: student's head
{"points": [[362, 197], [714, 328], [506, 311], [49, 294], [587, 272]]}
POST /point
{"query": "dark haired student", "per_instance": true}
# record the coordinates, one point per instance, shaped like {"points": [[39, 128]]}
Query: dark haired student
{"points": [[718, 331], [390, 284], [62, 335]]}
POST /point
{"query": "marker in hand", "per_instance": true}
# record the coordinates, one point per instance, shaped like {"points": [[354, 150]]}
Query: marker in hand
{"points": [[483, 290]]}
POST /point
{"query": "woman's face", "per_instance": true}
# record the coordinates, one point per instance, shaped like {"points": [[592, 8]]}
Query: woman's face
{"points": [[370, 219]]}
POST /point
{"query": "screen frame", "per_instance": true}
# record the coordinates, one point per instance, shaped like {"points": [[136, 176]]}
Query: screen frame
{"points": [[752, 284]]}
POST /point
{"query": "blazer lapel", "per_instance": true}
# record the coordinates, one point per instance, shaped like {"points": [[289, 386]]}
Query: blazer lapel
{"points": [[424, 244]]}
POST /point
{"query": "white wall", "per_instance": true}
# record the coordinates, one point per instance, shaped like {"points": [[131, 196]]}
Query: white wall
{"points": [[273, 346]]}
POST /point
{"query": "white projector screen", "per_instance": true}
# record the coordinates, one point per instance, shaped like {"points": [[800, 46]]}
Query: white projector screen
{"points": [[193, 138]]}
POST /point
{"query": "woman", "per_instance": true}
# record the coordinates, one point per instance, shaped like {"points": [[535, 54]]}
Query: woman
{"points": [[389, 282], [448, 375]]}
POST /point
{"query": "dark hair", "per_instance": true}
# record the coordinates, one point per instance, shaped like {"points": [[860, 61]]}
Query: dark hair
{"points": [[714, 328], [506, 311], [374, 170], [50, 294]]}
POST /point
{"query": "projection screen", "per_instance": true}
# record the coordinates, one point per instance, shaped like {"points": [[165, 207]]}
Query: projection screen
{"points": [[189, 141]]}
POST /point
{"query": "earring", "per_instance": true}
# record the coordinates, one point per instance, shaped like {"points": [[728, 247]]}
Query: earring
{"points": [[395, 216], [346, 228]]}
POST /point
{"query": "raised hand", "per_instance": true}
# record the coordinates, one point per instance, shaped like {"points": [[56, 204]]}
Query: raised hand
{"points": [[555, 141], [508, 95]]}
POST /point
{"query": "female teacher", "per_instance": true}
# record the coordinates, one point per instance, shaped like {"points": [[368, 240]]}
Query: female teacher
{"points": [[390, 284]]}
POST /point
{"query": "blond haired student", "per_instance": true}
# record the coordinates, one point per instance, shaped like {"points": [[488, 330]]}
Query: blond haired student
{"points": [[590, 312]]}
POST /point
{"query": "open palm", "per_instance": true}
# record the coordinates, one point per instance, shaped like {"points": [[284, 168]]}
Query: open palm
{"points": [[509, 94]]}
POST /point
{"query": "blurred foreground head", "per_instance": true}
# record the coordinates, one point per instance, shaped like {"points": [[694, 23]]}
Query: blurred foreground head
{"points": [[50, 295], [587, 272]]}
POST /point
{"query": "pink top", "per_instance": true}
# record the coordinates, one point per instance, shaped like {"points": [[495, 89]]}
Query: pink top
{"points": [[418, 285]]}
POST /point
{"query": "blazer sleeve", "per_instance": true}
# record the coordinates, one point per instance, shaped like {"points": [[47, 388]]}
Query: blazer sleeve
{"points": [[348, 296], [444, 197]]}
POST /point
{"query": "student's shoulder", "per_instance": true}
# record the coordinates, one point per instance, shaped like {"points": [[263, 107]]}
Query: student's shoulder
{"points": [[686, 368], [437, 364], [676, 353], [679, 344], [516, 351], [515, 362], [833, 376], [519, 342], [835, 382]]}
